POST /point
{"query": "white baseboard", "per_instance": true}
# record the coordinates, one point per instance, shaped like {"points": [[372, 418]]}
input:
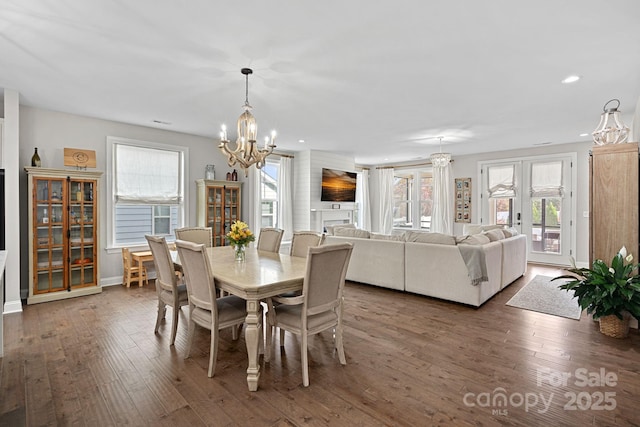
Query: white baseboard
{"points": [[12, 307]]}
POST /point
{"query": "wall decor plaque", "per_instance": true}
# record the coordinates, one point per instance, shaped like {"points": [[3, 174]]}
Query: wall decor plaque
{"points": [[79, 158]]}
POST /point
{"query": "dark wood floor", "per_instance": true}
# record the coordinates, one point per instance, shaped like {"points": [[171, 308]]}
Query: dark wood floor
{"points": [[411, 361]]}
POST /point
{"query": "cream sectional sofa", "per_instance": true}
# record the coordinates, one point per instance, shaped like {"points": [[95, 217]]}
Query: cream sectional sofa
{"points": [[433, 269]]}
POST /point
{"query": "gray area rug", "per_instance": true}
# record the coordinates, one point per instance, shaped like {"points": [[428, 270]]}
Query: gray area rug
{"points": [[543, 295]]}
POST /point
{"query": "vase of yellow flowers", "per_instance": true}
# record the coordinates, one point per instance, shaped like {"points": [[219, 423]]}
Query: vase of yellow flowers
{"points": [[239, 236]]}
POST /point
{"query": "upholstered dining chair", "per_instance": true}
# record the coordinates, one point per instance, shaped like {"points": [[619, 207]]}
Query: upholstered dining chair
{"points": [[201, 235], [206, 310], [303, 240], [131, 272], [171, 292], [270, 239], [319, 307]]}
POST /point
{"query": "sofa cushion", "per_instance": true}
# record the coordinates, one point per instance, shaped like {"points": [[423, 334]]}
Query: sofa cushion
{"points": [[422, 237], [510, 232], [494, 235], [474, 239], [331, 228], [394, 237], [350, 232], [479, 228]]}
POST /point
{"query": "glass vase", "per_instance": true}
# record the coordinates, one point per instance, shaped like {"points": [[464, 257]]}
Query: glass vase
{"points": [[240, 252]]}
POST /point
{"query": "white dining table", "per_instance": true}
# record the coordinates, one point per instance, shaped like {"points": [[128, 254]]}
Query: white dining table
{"points": [[261, 275]]}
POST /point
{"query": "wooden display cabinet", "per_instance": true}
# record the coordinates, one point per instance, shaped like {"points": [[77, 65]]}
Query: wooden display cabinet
{"points": [[218, 205], [63, 234]]}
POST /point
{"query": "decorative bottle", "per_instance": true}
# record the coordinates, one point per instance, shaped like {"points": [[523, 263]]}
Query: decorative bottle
{"points": [[35, 159], [234, 175], [79, 193]]}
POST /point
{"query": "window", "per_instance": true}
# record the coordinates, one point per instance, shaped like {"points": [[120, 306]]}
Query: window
{"points": [[269, 193], [412, 204], [146, 189]]}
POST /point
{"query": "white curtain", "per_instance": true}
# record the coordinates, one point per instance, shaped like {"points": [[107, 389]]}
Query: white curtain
{"points": [[385, 184], [147, 175], [362, 196], [442, 215], [546, 179], [255, 208], [502, 181], [285, 197]]}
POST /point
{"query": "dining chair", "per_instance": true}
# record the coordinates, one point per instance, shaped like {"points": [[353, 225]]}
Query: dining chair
{"points": [[170, 290], [201, 235], [320, 305], [206, 310], [303, 240], [269, 239], [132, 272]]}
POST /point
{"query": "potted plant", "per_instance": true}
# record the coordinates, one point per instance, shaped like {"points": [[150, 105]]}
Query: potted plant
{"points": [[609, 293]]}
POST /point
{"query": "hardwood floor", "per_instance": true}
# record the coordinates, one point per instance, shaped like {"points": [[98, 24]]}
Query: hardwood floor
{"points": [[411, 361]]}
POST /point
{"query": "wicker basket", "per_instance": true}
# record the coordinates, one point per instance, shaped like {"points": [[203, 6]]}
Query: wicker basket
{"points": [[612, 326]]}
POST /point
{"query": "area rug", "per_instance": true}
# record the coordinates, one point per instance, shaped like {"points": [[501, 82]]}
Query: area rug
{"points": [[543, 295]]}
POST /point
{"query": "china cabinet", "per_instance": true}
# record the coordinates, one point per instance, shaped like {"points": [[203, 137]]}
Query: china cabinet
{"points": [[613, 201], [218, 205], [63, 233]]}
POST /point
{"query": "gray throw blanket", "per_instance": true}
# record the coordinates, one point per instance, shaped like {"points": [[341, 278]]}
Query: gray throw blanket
{"points": [[473, 257]]}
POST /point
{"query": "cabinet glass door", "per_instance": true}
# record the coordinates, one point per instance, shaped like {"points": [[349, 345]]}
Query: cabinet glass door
{"points": [[82, 250], [48, 234]]}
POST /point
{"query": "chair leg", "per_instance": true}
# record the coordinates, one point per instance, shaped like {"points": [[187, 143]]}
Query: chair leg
{"points": [[234, 332], [161, 312], [281, 337], [339, 346], [174, 326], [305, 359], [191, 333], [213, 352]]}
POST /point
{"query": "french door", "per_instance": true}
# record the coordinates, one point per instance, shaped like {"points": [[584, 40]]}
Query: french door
{"points": [[534, 195]]}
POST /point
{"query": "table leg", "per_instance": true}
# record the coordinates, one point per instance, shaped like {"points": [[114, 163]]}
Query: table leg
{"points": [[252, 336], [140, 265]]}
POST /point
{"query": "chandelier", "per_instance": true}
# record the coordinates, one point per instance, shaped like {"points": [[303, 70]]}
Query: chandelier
{"points": [[246, 151], [610, 130], [440, 160]]}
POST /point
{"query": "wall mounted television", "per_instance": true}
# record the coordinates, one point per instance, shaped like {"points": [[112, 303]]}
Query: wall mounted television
{"points": [[338, 186]]}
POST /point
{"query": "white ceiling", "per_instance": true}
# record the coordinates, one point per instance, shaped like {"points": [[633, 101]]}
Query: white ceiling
{"points": [[378, 80]]}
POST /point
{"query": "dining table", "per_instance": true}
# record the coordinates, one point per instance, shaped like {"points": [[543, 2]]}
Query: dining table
{"points": [[262, 274]]}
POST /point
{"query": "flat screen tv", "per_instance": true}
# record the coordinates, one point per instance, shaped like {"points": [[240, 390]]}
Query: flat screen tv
{"points": [[338, 186]]}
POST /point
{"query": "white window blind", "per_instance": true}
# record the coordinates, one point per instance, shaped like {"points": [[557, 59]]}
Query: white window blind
{"points": [[147, 175], [501, 181], [546, 179]]}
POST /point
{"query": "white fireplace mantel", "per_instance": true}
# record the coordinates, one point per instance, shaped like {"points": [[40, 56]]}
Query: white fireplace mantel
{"points": [[320, 218]]}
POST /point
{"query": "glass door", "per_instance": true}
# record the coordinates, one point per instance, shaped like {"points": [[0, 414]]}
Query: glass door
{"points": [[49, 235], [533, 195], [82, 249]]}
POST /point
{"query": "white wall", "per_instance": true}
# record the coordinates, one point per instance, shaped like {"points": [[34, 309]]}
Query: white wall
{"points": [[52, 131], [308, 183]]}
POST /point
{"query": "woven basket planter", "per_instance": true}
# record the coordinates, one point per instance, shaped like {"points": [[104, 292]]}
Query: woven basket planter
{"points": [[612, 326]]}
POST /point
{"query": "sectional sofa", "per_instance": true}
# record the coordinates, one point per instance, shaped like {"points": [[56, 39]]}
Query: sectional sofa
{"points": [[433, 264]]}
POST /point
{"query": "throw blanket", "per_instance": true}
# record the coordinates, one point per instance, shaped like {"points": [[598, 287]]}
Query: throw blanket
{"points": [[473, 257]]}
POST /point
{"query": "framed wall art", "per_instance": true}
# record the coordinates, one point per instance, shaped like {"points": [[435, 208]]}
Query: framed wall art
{"points": [[462, 200]]}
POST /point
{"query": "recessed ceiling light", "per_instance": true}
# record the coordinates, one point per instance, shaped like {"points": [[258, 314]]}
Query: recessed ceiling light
{"points": [[571, 79], [301, 141], [584, 134], [543, 143]]}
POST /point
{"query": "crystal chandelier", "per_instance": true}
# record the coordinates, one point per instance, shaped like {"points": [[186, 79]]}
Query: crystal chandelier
{"points": [[610, 130], [440, 160], [246, 151]]}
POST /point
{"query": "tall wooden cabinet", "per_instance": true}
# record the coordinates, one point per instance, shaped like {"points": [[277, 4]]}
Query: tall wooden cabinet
{"points": [[218, 205], [613, 201], [63, 234]]}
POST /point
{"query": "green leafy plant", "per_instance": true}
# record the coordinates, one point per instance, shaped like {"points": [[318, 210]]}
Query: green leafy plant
{"points": [[605, 290]]}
